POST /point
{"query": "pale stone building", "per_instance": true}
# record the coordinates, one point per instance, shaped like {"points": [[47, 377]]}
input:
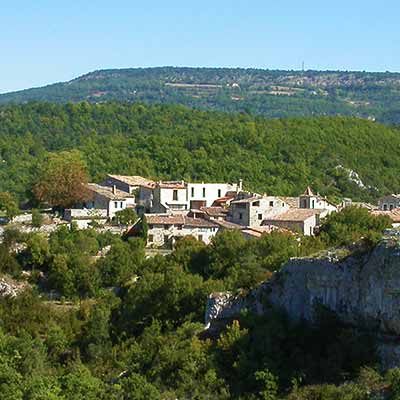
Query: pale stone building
{"points": [[251, 211], [389, 202], [314, 201], [298, 220], [108, 198], [170, 197], [164, 229]]}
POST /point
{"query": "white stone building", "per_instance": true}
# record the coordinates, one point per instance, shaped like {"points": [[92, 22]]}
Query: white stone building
{"points": [[83, 218], [205, 194], [164, 229], [251, 211], [108, 198], [170, 197]]}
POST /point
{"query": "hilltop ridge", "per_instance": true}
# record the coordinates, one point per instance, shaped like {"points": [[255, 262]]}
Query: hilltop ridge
{"points": [[272, 93]]}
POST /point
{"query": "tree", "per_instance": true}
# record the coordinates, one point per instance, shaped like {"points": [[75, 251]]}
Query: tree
{"points": [[126, 216], [37, 218], [62, 180], [8, 204]]}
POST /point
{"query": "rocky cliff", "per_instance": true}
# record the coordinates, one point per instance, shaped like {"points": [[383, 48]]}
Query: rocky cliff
{"points": [[363, 290]]}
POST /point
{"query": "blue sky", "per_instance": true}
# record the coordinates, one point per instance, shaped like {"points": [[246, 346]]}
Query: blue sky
{"points": [[45, 41]]}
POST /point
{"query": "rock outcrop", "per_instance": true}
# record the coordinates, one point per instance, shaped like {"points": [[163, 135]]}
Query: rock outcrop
{"points": [[363, 290]]}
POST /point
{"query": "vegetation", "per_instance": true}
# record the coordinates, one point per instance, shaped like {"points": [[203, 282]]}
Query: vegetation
{"points": [[274, 94], [131, 327], [279, 157]]}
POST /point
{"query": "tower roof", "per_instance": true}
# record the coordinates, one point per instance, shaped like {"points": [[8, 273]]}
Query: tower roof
{"points": [[308, 192]]}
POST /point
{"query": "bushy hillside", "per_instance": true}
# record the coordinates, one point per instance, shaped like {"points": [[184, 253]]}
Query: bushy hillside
{"points": [[263, 92], [173, 142]]}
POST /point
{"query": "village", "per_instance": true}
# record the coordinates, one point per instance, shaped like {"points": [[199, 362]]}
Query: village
{"points": [[176, 209]]}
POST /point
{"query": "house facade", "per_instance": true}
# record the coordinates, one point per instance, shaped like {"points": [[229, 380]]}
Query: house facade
{"points": [[165, 229], [170, 197], [205, 194], [303, 221], [389, 202], [251, 211], [108, 198]]}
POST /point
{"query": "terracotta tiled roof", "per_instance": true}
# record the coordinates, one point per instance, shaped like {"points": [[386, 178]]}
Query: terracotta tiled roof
{"points": [[294, 215], [262, 230], [247, 200], [108, 192], [394, 214], [134, 180], [214, 211], [228, 225], [293, 202]]}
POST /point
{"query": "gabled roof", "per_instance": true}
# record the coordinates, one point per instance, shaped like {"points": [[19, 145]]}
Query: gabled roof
{"points": [[108, 192], [394, 214], [292, 202], [228, 225], [134, 180], [294, 215], [214, 211]]}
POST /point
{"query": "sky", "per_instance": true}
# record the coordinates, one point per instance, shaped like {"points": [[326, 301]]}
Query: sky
{"points": [[48, 41]]}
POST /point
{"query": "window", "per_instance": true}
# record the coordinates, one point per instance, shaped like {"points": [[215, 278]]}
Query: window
{"points": [[271, 203], [256, 204], [385, 207], [165, 238], [260, 216], [219, 192], [150, 226], [313, 204], [240, 216], [121, 204], [115, 204], [204, 192], [175, 195], [391, 207], [192, 192], [151, 238], [200, 237], [179, 227]]}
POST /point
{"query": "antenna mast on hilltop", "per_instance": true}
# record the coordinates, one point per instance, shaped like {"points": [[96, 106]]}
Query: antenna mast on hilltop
{"points": [[302, 66]]}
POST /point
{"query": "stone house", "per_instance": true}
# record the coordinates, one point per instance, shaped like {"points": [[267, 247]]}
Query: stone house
{"points": [[170, 197], [165, 229], [141, 188], [251, 211], [299, 220], [210, 213], [108, 198], [389, 202]]}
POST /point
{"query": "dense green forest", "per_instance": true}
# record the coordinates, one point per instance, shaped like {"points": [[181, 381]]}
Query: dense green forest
{"points": [[130, 327], [271, 93], [280, 156]]}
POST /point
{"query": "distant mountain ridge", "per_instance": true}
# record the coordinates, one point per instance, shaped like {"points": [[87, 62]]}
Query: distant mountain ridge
{"points": [[272, 93]]}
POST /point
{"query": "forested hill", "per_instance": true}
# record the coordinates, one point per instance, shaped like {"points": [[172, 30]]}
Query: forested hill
{"points": [[174, 142], [263, 92]]}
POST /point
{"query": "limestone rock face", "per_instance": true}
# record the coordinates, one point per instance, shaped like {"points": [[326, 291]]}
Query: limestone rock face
{"points": [[364, 290]]}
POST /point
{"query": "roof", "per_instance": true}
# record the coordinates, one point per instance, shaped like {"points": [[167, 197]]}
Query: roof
{"points": [[86, 213], [223, 200], [172, 185], [396, 196], [308, 192], [294, 215], [134, 180], [178, 219], [108, 192], [228, 225], [394, 214], [247, 200], [262, 230], [214, 211], [292, 202]]}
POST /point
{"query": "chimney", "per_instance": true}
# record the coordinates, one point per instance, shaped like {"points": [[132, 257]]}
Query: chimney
{"points": [[240, 185], [114, 189]]}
